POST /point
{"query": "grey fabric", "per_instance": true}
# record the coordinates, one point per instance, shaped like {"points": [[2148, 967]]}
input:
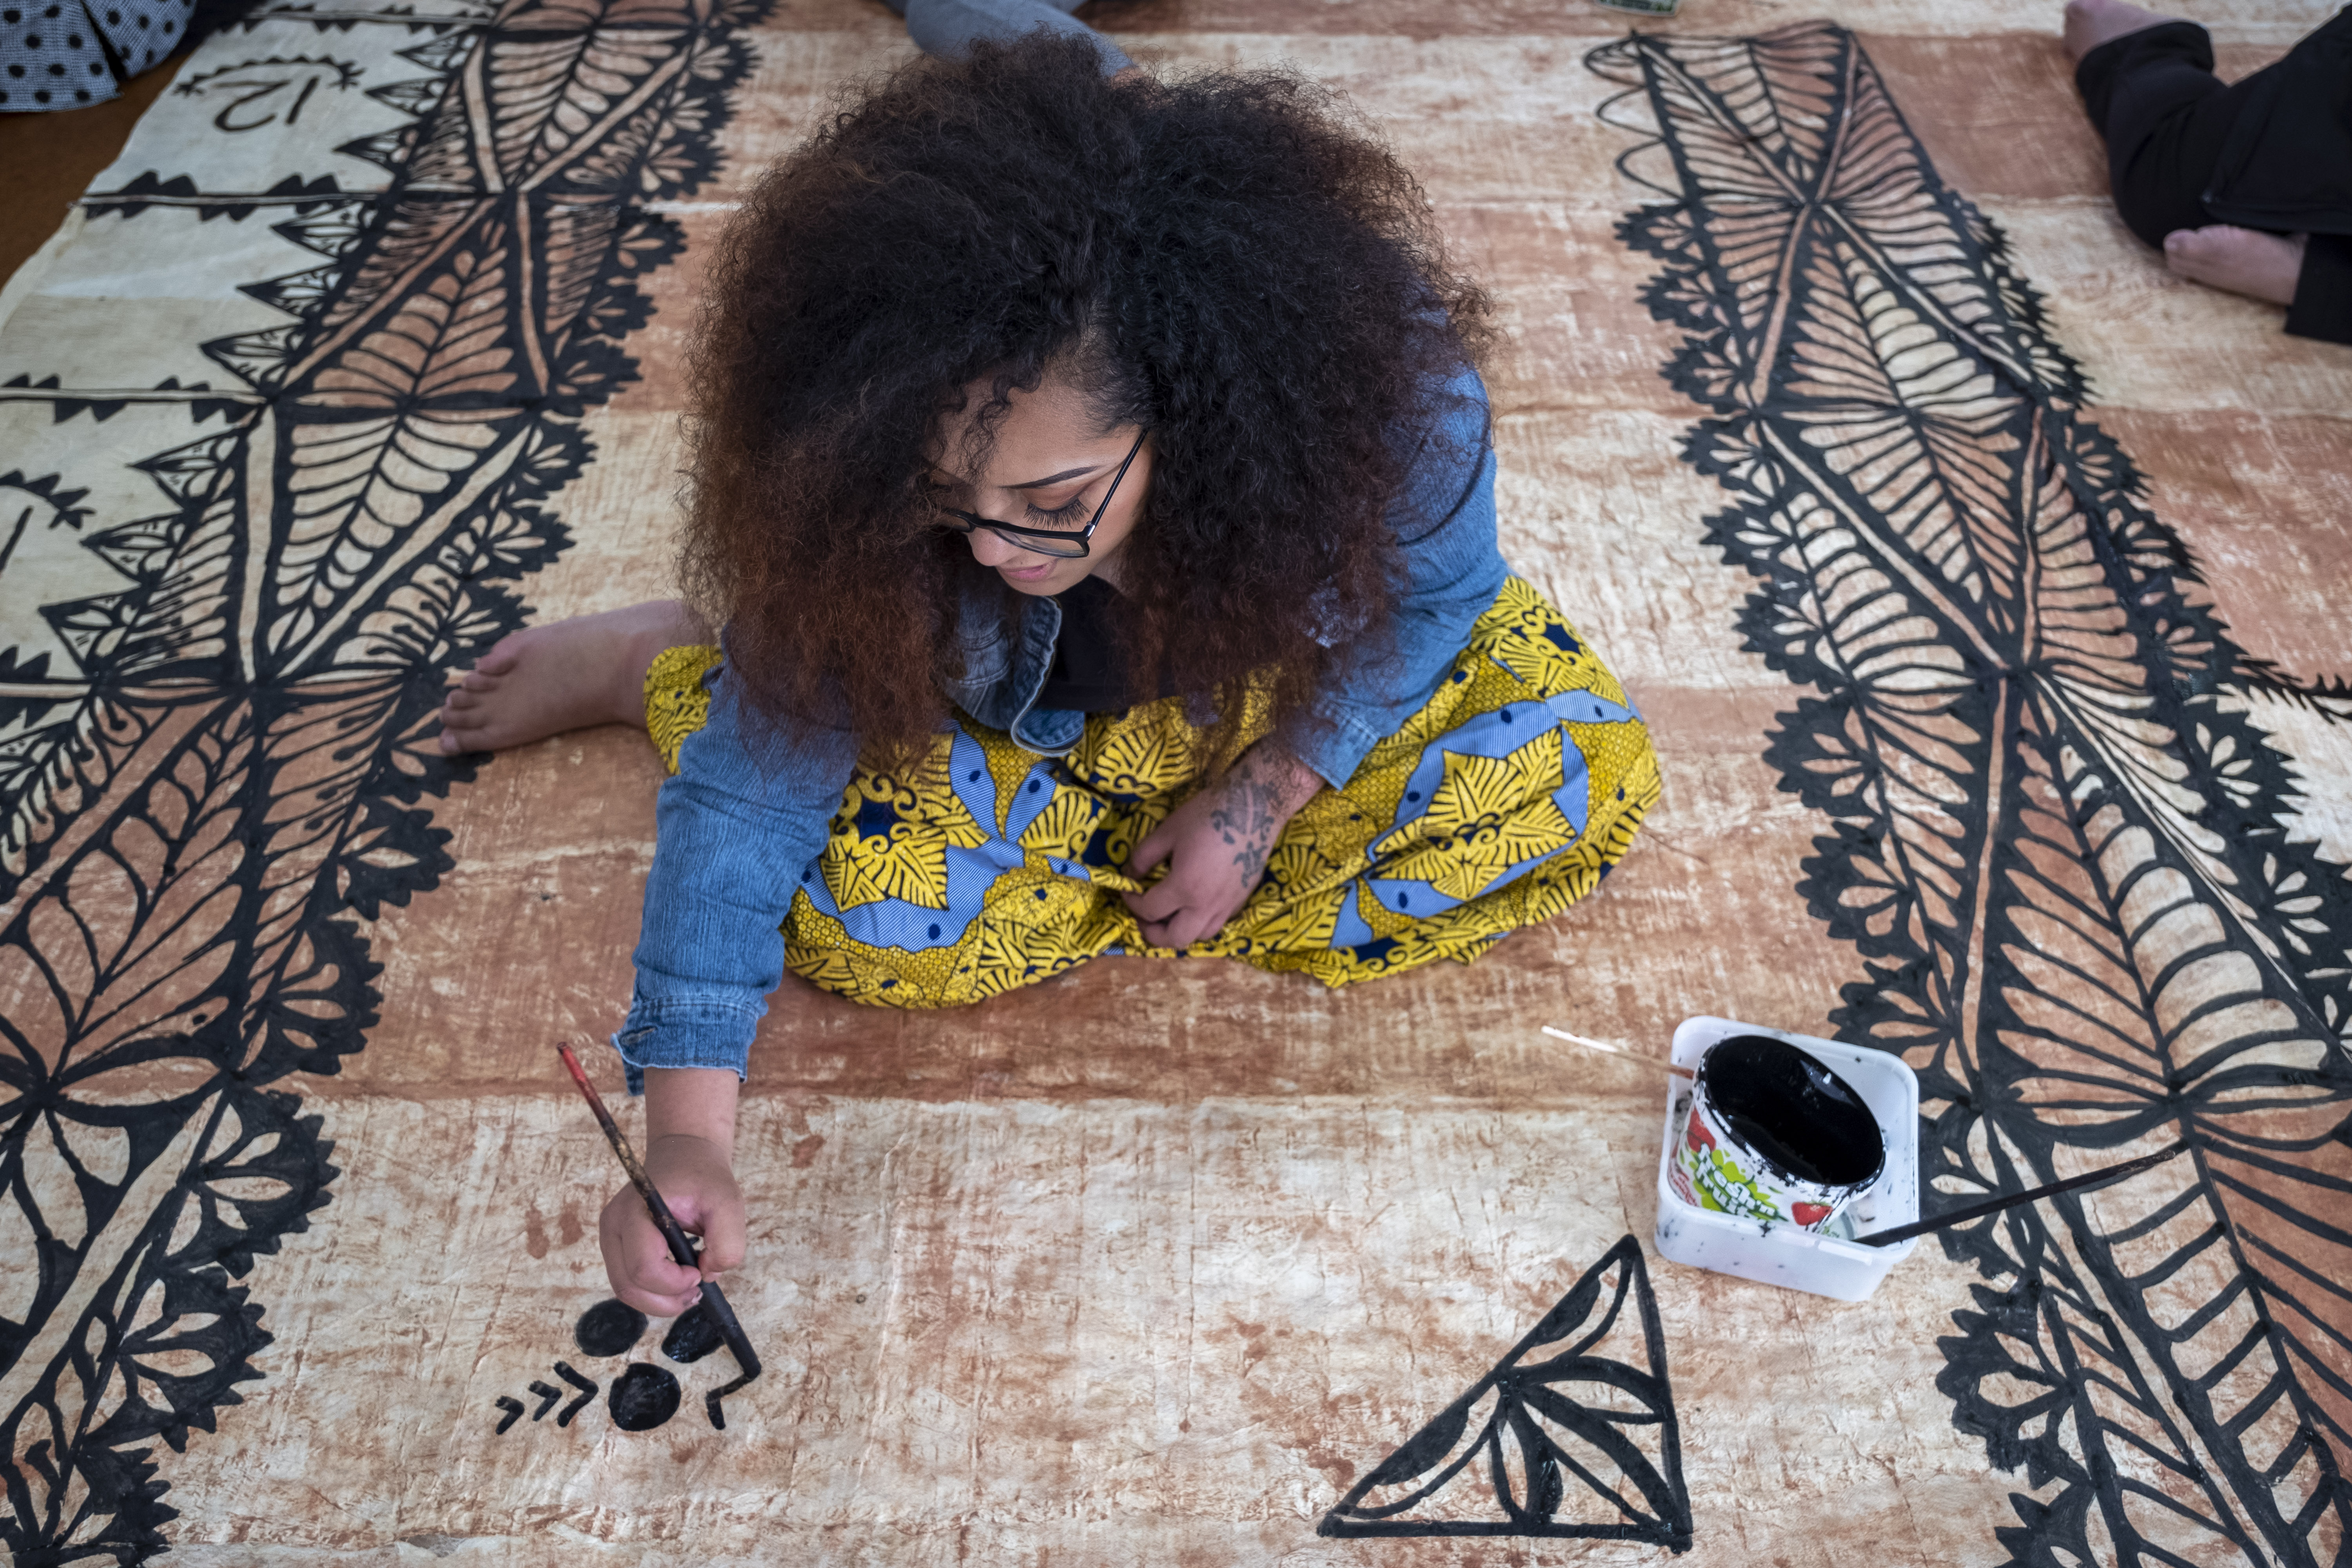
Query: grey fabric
{"points": [[949, 27]]}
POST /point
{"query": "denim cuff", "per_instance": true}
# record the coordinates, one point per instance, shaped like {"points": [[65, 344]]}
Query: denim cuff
{"points": [[1336, 748], [676, 1033]]}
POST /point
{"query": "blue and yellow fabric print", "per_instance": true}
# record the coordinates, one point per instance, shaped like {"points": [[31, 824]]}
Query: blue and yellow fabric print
{"points": [[1504, 800]]}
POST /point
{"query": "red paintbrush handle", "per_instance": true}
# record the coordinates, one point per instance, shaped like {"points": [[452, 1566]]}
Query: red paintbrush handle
{"points": [[672, 1232]]}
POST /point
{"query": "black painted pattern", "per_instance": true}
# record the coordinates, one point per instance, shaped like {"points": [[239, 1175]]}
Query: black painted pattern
{"points": [[2050, 834], [1558, 1440], [196, 820]]}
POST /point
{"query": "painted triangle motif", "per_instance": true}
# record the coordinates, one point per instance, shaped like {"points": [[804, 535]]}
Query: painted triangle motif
{"points": [[1572, 1434]]}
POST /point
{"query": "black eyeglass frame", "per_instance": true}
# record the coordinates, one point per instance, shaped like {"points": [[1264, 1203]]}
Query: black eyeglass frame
{"points": [[1017, 536]]}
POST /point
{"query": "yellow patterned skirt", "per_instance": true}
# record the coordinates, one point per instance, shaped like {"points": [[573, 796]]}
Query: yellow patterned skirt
{"points": [[1504, 800]]}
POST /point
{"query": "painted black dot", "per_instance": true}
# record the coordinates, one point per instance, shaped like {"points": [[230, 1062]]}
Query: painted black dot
{"points": [[643, 1397], [42, 96], [609, 1327], [81, 95], [73, 40], [692, 1337], [168, 25], [95, 68], [1505, 714], [140, 21], [972, 777], [114, 18], [16, 71], [32, 40], [3, 95], [1412, 794], [51, 11], [1034, 786], [12, 18], [1041, 892], [935, 933]]}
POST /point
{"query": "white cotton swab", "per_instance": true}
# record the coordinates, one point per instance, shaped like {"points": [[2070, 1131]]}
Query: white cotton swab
{"points": [[1619, 1051]]}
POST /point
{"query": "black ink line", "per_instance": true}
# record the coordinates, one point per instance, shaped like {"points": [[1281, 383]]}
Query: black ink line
{"points": [[547, 1398], [710, 1400], [587, 1387], [513, 1408]]}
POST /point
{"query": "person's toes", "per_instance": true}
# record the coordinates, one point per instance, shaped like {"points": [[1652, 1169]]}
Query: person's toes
{"points": [[2243, 260], [502, 657]]}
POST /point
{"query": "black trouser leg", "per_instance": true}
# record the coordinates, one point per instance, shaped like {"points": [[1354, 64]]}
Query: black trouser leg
{"points": [[2166, 117], [2323, 290]]}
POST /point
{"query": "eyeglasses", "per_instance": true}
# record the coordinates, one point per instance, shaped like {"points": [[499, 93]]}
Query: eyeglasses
{"points": [[1059, 541]]}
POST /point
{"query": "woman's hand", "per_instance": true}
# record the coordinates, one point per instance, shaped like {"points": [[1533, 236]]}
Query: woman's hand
{"points": [[1215, 846], [689, 1154]]}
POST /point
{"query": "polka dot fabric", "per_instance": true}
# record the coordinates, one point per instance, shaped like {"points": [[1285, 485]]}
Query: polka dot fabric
{"points": [[68, 54]]}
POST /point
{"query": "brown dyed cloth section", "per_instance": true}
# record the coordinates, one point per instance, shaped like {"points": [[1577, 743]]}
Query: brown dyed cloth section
{"points": [[1150, 1264]]}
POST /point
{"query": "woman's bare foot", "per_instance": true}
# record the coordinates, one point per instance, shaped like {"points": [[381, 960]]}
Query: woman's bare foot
{"points": [[2243, 260], [2090, 23], [566, 675]]}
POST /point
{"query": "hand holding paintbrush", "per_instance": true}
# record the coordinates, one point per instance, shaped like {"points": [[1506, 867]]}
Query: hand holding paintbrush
{"points": [[713, 1301], [689, 1154]]}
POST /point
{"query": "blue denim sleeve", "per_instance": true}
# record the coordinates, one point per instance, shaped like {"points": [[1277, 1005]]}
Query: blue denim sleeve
{"points": [[1445, 523], [733, 833]]}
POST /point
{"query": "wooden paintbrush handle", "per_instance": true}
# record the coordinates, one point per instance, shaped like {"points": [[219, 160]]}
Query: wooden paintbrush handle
{"points": [[664, 1221]]}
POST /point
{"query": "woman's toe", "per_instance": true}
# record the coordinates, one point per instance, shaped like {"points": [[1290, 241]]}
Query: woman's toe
{"points": [[502, 656]]}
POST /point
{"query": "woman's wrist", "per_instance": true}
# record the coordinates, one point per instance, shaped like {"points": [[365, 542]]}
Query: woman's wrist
{"points": [[692, 1102], [1265, 789], [1285, 783]]}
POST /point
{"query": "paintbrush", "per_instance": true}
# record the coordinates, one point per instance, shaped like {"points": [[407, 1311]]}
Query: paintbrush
{"points": [[714, 1300], [1605, 1049], [2010, 1200]]}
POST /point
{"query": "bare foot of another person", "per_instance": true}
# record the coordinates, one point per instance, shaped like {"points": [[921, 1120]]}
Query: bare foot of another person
{"points": [[2090, 23], [2243, 260], [566, 675]]}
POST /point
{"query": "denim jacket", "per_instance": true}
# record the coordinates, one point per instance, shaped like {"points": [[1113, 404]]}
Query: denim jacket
{"points": [[737, 834]]}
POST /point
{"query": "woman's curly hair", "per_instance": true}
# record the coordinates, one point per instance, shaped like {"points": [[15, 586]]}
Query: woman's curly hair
{"points": [[1221, 255]]}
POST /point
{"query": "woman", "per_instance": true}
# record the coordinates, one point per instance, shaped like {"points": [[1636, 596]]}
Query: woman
{"points": [[1094, 483]]}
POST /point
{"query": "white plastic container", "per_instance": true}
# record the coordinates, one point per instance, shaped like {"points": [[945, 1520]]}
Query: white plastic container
{"points": [[1827, 1263]]}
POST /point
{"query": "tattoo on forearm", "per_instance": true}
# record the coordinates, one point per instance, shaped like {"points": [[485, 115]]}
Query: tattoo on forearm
{"points": [[1248, 818]]}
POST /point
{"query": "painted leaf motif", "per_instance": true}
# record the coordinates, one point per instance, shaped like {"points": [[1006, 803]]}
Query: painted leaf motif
{"points": [[2059, 855], [239, 763], [1579, 1443]]}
